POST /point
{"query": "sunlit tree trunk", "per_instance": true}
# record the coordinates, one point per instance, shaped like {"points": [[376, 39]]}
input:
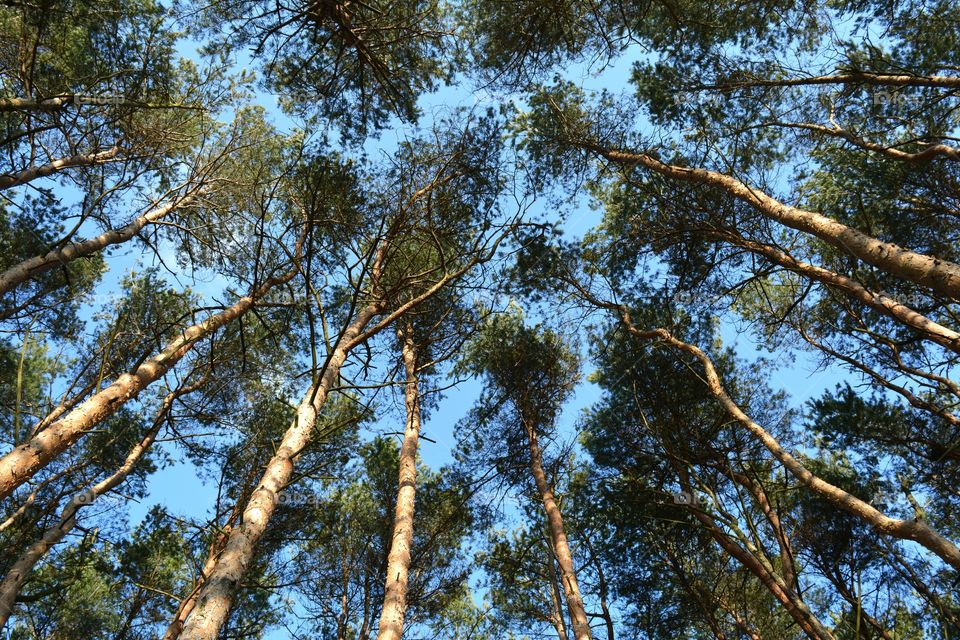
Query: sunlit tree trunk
{"points": [[915, 530], [175, 628], [939, 275], [568, 576], [398, 560], [55, 166], [218, 592], [20, 464], [20, 571], [19, 273]]}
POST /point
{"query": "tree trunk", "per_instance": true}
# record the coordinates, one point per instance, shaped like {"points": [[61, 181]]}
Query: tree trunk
{"points": [[939, 275], [578, 614], [30, 267], [218, 592], [21, 569], [915, 530], [398, 560], [175, 628], [20, 464], [877, 301], [81, 160]]}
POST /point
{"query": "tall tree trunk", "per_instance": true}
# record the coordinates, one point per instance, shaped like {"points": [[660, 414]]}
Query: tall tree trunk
{"points": [[20, 464], [30, 267], [217, 593], [578, 614], [22, 567], [29, 174], [398, 560]]}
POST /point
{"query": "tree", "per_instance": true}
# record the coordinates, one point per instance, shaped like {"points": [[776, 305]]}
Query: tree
{"points": [[529, 374], [252, 276]]}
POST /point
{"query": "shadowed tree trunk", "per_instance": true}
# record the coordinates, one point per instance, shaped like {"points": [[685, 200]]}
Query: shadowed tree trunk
{"points": [[556, 604]]}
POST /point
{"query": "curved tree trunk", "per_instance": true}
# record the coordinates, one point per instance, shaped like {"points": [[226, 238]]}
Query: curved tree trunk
{"points": [[915, 530], [30, 267], [571, 589], [939, 275], [20, 464], [398, 560], [219, 590], [20, 571], [879, 302]]}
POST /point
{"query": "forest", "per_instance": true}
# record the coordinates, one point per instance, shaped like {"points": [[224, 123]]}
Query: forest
{"points": [[479, 319]]}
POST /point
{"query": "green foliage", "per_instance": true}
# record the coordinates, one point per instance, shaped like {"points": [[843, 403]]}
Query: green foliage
{"points": [[340, 560], [354, 66]]}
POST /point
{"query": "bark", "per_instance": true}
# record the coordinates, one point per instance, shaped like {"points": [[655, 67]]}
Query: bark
{"points": [[80, 160], [31, 267], [928, 153], [20, 464], [175, 628], [22, 567], [578, 614], [928, 271], [862, 77], [794, 605], [915, 530], [398, 560], [218, 592], [556, 607], [217, 595], [879, 302], [31, 104]]}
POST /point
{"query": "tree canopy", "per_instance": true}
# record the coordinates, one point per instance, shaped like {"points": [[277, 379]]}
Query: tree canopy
{"points": [[463, 319]]}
